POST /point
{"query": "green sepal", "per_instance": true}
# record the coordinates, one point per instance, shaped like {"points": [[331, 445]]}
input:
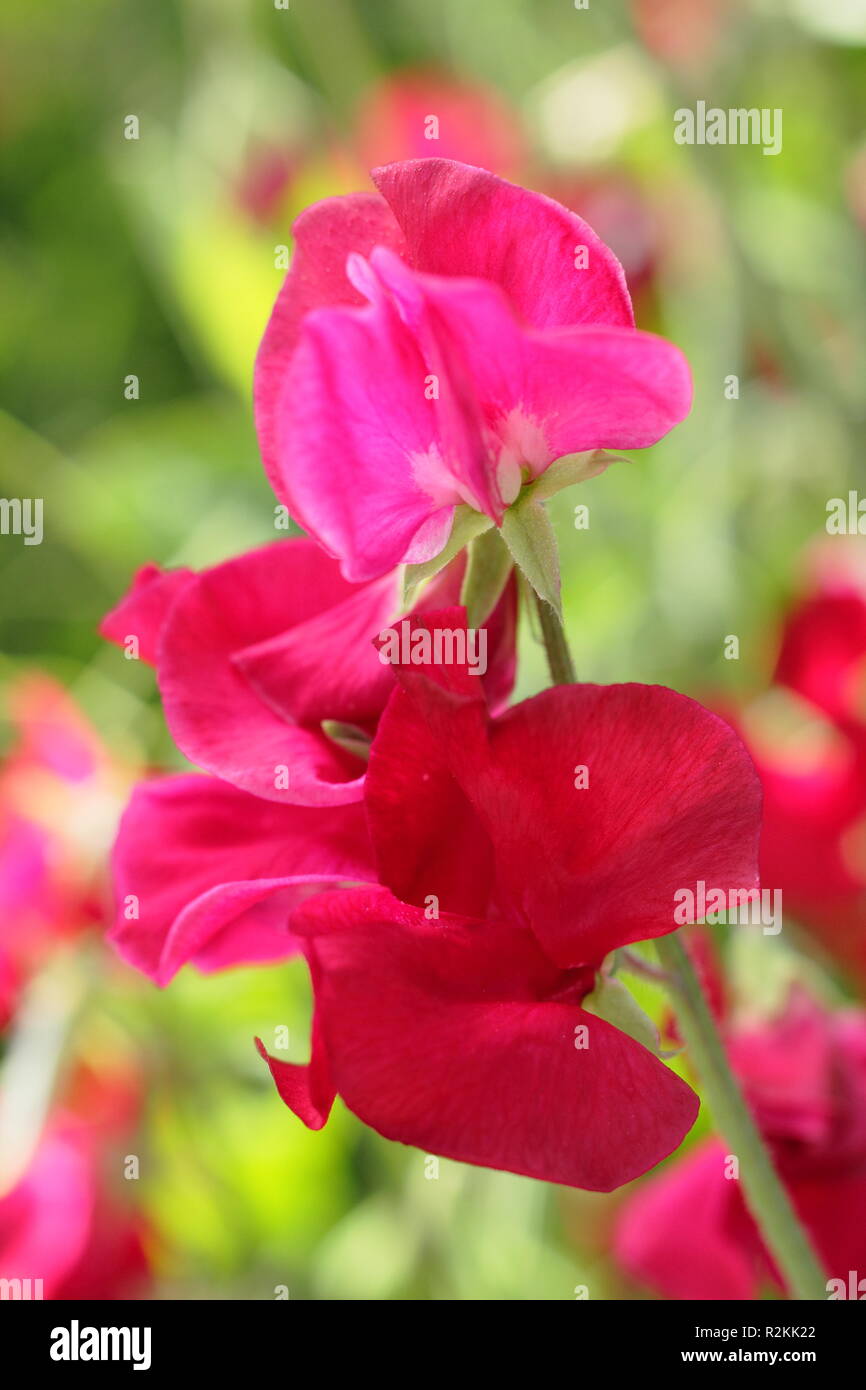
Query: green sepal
{"points": [[488, 566], [574, 468], [529, 535], [466, 526], [611, 1001]]}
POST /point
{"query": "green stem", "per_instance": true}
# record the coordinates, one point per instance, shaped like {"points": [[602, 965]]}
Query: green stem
{"points": [[559, 660], [765, 1196]]}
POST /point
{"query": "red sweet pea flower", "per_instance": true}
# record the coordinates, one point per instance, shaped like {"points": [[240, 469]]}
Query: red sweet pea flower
{"points": [[443, 344], [255, 655], [413, 113], [688, 1235], [454, 1019]]}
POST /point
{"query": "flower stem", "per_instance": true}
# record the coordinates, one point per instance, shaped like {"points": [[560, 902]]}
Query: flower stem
{"points": [[559, 660], [764, 1193]]}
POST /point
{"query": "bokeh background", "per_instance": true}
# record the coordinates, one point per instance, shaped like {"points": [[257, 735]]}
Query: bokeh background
{"points": [[158, 258]]}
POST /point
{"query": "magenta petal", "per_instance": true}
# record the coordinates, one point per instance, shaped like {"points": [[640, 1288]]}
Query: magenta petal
{"points": [[540, 394], [204, 872], [327, 667], [359, 438], [462, 1055], [142, 612], [218, 718], [324, 235], [460, 406], [463, 221]]}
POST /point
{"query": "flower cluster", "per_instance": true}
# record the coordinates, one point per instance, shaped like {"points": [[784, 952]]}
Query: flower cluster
{"points": [[457, 873]]}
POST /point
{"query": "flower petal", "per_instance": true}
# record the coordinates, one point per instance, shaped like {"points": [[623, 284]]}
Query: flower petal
{"points": [[206, 873], [218, 717], [542, 394], [324, 235], [597, 825], [461, 1056], [458, 220], [142, 612], [359, 439], [307, 1090]]}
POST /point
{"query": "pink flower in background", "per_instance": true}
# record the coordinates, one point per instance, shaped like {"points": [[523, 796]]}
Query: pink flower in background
{"points": [[505, 886], [688, 1235], [66, 1222], [442, 344], [258, 658]]}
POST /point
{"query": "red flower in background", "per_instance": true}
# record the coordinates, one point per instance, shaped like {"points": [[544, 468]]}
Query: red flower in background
{"points": [[449, 1004], [687, 1234], [813, 844], [414, 114]]}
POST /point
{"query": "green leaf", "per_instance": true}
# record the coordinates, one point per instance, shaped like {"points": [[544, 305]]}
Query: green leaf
{"points": [[488, 566], [466, 526], [527, 532]]}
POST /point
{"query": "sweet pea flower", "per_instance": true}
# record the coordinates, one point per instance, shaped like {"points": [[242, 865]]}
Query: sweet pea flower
{"points": [[254, 657], [687, 1233], [58, 1226], [261, 659], [440, 345], [454, 1003], [807, 736]]}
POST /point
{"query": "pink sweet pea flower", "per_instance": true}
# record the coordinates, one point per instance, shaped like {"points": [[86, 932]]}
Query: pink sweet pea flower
{"points": [[688, 1234], [506, 883], [442, 344], [59, 1231], [258, 658]]}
